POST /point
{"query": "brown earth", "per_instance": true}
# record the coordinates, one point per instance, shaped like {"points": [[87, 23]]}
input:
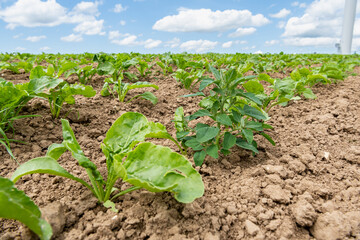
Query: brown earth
{"points": [[305, 187]]}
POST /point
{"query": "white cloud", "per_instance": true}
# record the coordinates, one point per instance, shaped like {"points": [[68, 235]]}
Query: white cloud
{"points": [[175, 42], [122, 23], [33, 13], [35, 38], [87, 8], [119, 8], [240, 32], [20, 49], [206, 20], [150, 43], [281, 24], [258, 52], [17, 36], [46, 48], [227, 44], [320, 25], [281, 14], [271, 42], [72, 38], [37, 13], [90, 27], [297, 4], [114, 35], [128, 39], [198, 45], [307, 41]]}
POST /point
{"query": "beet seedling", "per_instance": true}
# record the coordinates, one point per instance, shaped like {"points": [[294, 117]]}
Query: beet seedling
{"points": [[128, 157]]}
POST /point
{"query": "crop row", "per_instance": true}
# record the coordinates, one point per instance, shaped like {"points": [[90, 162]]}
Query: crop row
{"points": [[237, 93]]}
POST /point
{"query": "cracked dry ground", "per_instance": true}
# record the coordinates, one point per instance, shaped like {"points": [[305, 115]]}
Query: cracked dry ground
{"points": [[305, 187]]}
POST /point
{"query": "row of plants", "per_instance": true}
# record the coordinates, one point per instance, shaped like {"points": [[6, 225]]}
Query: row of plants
{"points": [[234, 108]]}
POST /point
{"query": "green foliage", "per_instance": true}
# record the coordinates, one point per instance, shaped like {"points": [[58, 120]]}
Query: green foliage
{"points": [[187, 79], [15, 204], [128, 157], [235, 116]]}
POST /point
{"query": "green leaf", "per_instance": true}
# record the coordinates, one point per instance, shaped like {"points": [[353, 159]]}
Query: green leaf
{"points": [[105, 90], [194, 144], [204, 83], [105, 68], [229, 141], [248, 134], [142, 85], [215, 72], [56, 150], [125, 133], [179, 120], [194, 94], [206, 133], [157, 169], [253, 86], [14, 204], [200, 113], [38, 85], [147, 96], [224, 119], [212, 151], [268, 138], [253, 112], [199, 158], [244, 144], [308, 93], [73, 146], [45, 165], [111, 205]]}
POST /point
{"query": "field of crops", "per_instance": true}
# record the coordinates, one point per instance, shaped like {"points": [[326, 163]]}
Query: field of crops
{"points": [[180, 146]]}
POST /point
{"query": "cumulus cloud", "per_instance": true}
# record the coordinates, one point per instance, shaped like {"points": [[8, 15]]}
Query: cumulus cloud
{"points": [[44, 49], [128, 39], [34, 13], [35, 38], [119, 8], [227, 44], [271, 42], [240, 32], [37, 13], [206, 20], [320, 24], [150, 43], [72, 38], [281, 14], [175, 42], [297, 4], [90, 27], [20, 49], [198, 45], [307, 41]]}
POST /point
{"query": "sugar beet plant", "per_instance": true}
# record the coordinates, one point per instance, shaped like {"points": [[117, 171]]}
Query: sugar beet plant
{"points": [[128, 157], [234, 114]]}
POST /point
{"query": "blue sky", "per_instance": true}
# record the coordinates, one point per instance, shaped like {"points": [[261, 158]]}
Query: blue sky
{"points": [[157, 26]]}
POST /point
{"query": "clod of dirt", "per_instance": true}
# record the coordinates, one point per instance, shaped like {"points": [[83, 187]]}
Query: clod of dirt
{"points": [[251, 228], [304, 213], [55, 215], [277, 193], [331, 226]]}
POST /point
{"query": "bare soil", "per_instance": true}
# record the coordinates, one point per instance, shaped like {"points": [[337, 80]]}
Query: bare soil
{"points": [[305, 187]]}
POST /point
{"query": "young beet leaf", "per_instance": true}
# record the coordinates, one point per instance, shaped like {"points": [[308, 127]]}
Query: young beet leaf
{"points": [[65, 92], [14, 204], [149, 166]]}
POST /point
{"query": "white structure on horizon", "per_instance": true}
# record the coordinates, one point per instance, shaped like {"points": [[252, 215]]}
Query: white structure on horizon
{"points": [[348, 26]]}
